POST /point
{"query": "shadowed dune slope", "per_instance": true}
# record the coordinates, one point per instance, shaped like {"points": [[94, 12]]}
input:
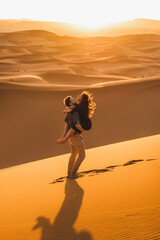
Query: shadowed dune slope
{"points": [[32, 120]]}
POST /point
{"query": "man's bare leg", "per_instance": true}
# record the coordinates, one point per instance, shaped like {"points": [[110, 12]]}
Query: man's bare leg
{"points": [[72, 157], [80, 148]]}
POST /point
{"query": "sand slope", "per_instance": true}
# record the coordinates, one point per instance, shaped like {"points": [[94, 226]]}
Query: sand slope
{"points": [[32, 120], [121, 203]]}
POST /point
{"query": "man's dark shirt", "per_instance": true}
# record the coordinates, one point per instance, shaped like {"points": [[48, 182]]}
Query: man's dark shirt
{"points": [[73, 118]]}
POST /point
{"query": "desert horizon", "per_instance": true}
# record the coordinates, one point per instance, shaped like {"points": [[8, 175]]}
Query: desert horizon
{"points": [[94, 184], [125, 27]]}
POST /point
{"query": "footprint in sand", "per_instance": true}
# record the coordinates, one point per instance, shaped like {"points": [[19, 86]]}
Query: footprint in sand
{"points": [[132, 162], [94, 172], [151, 159], [113, 166]]}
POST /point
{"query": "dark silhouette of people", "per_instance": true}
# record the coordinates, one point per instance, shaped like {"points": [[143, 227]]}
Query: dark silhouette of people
{"points": [[62, 227]]}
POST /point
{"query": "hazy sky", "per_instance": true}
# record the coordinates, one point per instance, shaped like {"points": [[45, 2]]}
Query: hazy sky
{"points": [[89, 13]]}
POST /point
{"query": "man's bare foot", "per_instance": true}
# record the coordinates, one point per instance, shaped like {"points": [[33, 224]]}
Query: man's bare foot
{"points": [[73, 176]]}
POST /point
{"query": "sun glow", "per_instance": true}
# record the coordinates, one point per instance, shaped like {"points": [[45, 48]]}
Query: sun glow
{"points": [[89, 26], [88, 14], [93, 24]]}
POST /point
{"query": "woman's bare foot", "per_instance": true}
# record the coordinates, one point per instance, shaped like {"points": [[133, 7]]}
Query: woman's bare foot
{"points": [[60, 141]]}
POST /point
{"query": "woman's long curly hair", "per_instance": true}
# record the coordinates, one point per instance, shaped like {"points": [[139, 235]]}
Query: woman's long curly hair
{"points": [[87, 106]]}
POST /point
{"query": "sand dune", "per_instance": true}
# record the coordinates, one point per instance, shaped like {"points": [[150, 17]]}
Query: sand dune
{"points": [[119, 203], [81, 61], [117, 193], [31, 120]]}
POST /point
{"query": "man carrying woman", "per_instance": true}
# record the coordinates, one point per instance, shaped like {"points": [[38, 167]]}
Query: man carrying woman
{"points": [[77, 120]]}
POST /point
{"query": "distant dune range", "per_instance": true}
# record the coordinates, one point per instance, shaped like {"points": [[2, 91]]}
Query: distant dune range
{"points": [[39, 68], [45, 59]]}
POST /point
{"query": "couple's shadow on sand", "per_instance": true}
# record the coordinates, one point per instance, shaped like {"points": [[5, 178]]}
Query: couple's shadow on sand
{"points": [[63, 225]]}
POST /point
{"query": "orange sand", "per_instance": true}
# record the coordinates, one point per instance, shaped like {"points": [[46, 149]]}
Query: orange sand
{"points": [[122, 203], [37, 70]]}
